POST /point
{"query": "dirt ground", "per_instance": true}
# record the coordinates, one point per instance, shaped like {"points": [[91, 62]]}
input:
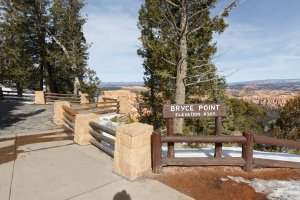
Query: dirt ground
{"points": [[206, 183]]}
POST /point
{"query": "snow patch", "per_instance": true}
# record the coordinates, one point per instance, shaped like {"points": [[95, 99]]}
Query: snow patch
{"points": [[274, 189], [232, 152]]}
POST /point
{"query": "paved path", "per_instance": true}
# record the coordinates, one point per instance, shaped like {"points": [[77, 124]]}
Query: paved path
{"points": [[17, 118], [48, 165]]}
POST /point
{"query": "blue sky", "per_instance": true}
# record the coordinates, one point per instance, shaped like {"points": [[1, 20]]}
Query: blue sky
{"points": [[262, 41]]}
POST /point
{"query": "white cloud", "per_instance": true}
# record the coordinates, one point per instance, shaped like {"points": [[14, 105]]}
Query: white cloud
{"points": [[259, 53], [112, 30]]}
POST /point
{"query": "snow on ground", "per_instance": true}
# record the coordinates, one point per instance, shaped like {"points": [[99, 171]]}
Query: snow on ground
{"points": [[232, 152], [274, 189], [209, 151], [106, 121]]}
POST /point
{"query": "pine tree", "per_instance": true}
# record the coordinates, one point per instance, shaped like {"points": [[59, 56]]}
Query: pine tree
{"points": [[16, 55], [69, 49], [288, 124], [42, 42], [176, 37]]}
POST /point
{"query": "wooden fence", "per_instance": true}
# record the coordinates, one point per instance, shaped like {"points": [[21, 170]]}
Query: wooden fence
{"points": [[52, 97], [70, 113], [69, 117], [97, 108], [246, 161], [101, 139], [5, 94]]}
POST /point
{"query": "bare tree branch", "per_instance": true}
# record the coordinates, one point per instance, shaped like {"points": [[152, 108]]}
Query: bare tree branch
{"points": [[173, 4], [61, 46], [202, 81], [171, 63], [199, 66]]}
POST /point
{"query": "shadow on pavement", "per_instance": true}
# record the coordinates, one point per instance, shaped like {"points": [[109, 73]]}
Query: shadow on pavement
{"points": [[10, 153], [9, 118], [123, 195]]}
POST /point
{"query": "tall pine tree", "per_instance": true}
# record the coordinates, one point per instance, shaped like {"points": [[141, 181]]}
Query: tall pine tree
{"points": [[177, 50], [69, 49], [42, 45]]}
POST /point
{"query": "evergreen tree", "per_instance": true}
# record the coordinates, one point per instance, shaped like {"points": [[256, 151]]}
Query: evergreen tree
{"points": [[69, 49], [42, 42], [16, 54], [288, 124], [176, 37]]}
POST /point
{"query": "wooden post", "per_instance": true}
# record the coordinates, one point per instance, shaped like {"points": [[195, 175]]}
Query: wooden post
{"points": [[156, 152], [218, 132], [170, 132], [1, 94], [247, 152]]}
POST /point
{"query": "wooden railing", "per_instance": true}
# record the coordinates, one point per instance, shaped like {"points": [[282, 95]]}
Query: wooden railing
{"points": [[275, 142], [13, 94], [98, 134], [69, 117], [246, 161], [98, 108], [52, 97]]}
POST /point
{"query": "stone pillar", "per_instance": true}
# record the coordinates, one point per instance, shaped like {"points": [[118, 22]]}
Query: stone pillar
{"points": [[132, 156], [100, 98], [124, 105], [39, 97], [1, 94], [84, 98], [58, 112], [82, 128]]}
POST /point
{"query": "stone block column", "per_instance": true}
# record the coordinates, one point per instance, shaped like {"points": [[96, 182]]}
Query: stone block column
{"points": [[82, 128], [39, 97], [132, 156], [84, 98], [100, 98], [58, 112], [124, 105]]}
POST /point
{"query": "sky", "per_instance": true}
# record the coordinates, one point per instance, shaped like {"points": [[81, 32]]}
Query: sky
{"points": [[261, 42]]}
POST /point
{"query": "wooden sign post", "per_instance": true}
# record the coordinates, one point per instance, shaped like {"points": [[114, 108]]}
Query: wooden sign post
{"points": [[172, 111]]}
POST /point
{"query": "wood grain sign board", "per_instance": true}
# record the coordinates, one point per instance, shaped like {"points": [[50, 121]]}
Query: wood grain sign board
{"points": [[194, 110]]}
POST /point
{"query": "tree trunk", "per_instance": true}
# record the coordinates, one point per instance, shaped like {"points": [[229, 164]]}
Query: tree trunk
{"points": [[47, 76], [76, 85], [181, 68], [41, 77], [19, 89]]}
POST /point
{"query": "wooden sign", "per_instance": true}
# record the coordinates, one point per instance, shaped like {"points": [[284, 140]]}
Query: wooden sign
{"points": [[194, 110]]}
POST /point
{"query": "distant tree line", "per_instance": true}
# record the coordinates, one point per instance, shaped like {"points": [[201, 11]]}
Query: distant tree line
{"points": [[42, 46]]}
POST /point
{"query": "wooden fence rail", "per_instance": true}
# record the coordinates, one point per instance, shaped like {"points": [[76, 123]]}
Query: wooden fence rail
{"points": [[98, 108], [11, 94], [52, 97], [97, 133], [246, 161], [69, 117]]}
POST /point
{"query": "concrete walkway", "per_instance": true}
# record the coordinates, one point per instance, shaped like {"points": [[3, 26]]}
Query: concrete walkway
{"points": [[48, 165]]}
